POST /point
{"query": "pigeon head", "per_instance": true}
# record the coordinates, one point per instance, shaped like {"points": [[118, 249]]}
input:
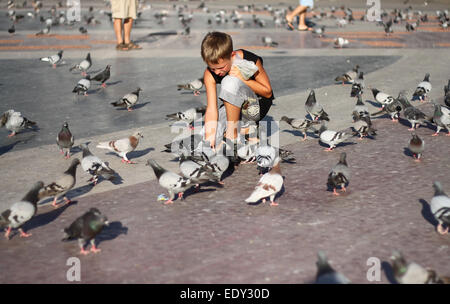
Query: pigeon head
{"points": [[322, 264], [375, 92], [108, 67], [100, 217], [60, 53], [438, 189], [399, 264], [138, 135], [65, 124]]}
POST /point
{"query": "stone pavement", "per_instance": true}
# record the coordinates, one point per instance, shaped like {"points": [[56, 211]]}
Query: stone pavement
{"points": [[213, 236]]}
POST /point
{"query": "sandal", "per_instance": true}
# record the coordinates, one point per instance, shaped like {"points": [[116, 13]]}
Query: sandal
{"points": [[133, 46], [290, 25], [305, 29], [122, 47]]}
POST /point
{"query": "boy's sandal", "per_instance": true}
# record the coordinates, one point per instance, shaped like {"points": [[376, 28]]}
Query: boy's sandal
{"points": [[305, 29], [122, 47], [133, 46]]}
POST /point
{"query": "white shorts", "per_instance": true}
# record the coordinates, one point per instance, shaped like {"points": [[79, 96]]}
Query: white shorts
{"points": [[123, 9], [309, 3]]}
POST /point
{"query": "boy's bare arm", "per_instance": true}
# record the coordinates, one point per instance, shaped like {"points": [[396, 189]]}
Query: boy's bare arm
{"points": [[211, 114], [261, 84]]}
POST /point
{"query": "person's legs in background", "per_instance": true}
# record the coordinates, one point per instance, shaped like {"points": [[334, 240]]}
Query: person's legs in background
{"points": [[118, 30]]}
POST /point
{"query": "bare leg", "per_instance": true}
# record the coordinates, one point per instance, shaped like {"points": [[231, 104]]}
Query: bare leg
{"points": [[233, 113], [127, 26], [118, 30]]}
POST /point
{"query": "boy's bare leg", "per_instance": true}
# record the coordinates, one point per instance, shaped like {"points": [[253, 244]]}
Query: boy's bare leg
{"points": [[233, 113], [301, 23], [118, 30], [297, 11], [127, 26]]}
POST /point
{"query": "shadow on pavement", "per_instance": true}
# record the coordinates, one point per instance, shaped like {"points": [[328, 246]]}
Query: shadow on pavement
{"points": [[389, 272], [110, 232], [426, 213]]}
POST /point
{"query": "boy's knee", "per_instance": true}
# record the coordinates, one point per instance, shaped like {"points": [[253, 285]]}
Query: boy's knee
{"points": [[231, 84]]}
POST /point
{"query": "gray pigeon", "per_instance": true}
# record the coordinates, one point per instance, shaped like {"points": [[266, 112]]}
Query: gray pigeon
{"points": [[326, 274], [314, 109], [189, 115], [332, 138], [197, 173], [94, 166], [195, 86], [361, 108], [339, 174], [53, 59], [65, 140], [363, 125], [268, 41], [447, 94], [128, 101], [358, 86], [411, 113], [348, 77], [319, 31], [62, 185], [218, 163], [86, 228], [381, 97], [171, 181], [83, 86], [15, 122], [411, 273], [416, 146], [393, 109], [21, 212], [441, 118], [300, 124], [440, 207], [423, 88], [83, 66], [103, 76]]}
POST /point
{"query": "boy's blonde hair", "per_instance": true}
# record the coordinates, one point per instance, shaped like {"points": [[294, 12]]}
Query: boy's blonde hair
{"points": [[215, 46]]}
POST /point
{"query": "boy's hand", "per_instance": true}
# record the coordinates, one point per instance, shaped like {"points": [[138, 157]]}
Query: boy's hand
{"points": [[236, 72]]}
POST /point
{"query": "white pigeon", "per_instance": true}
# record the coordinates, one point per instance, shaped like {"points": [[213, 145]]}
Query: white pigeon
{"points": [[340, 42], [197, 173], [21, 212], [358, 86], [128, 101], [122, 146], [53, 59], [189, 115], [194, 86], [348, 77], [441, 118], [84, 65], [171, 181], [15, 122], [332, 138], [94, 166], [268, 41], [268, 186], [440, 207], [83, 86], [411, 273], [381, 97], [219, 164], [423, 88], [326, 274]]}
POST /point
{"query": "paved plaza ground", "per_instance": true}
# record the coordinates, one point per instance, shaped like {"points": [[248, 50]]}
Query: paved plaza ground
{"points": [[213, 236]]}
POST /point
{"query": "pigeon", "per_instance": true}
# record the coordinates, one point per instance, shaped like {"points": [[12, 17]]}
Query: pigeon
{"points": [[44, 31], [83, 30], [194, 86], [268, 41], [171, 181], [382, 98], [388, 27], [339, 174], [266, 155], [349, 77], [411, 27], [103, 76], [83, 86], [65, 139], [358, 86], [340, 42], [363, 125], [189, 115], [128, 101], [447, 94], [361, 108], [393, 109], [319, 31], [15, 122], [411, 113], [95, 166], [300, 124], [247, 152], [268, 186], [342, 22], [440, 207], [12, 29], [411, 273], [86, 228], [196, 172], [84, 65], [53, 59], [122, 146], [332, 138], [423, 88], [62, 185], [326, 274], [416, 146], [21, 212], [218, 163], [314, 109], [441, 118]]}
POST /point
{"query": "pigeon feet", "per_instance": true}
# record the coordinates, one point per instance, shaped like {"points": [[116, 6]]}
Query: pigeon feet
{"points": [[168, 202], [441, 229], [8, 231], [435, 134], [448, 134], [95, 249], [104, 85], [12, 134], [328, 149], [54, 66], [411, 129], [180, 196], [273, 204], [196, 93], [128, 161], [23, 234], [84, 252], [221, 183], [130, 109], [335, 192]]}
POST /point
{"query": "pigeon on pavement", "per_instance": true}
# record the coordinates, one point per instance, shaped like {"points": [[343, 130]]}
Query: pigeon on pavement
{"points": [[349, 77], [86, 228], [122, 146], [62, 185], [171, 181], [103, 76], [440, 207], [441, 118], [189, 115], [332, 138], [326, 274], [195, 86], [83, 86], [15, 122], [83, 66], [21, 212], [300, 124], [361, 108], [314, 109], [393, 109], [340, 42], [339, 174], [416, 146], [411, 113], [268, 41], [128, 101], [196, 172], [382, 98], [411, 273], [95, 166], [54, 59], [358, 86], [65, 140], [423, 88], [363, 125]]}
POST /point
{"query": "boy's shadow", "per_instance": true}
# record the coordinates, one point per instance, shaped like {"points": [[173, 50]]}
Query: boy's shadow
{"points": [[110, 232]]}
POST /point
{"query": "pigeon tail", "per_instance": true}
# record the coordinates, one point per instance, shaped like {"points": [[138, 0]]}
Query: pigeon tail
{"points": [[119, 103], [32, 195]]}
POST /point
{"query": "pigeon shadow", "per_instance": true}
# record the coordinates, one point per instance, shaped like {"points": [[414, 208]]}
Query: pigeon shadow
{"points": [[95, 71], [46, 218], [389, 272], [343, 144], [113, 83], [110, 232], [135, 107], [192, 190], [137, 154], [373, 103], [427, 214], [190, 93], [75, 149], [407, 152], [8, 148]]}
